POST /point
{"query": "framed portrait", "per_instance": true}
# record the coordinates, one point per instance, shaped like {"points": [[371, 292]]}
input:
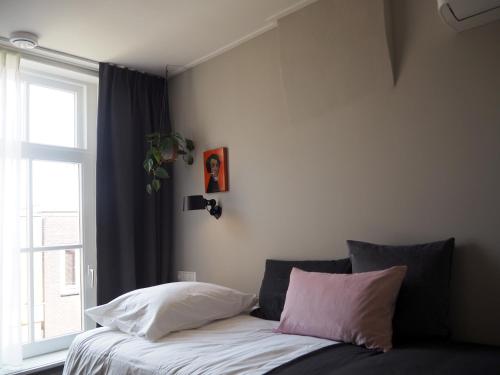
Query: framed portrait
{"points": [[215, 166]]}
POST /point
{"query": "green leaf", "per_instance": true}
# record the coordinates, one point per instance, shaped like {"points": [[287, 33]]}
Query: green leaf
{"points": [[149, 189], [161, 173], [189, 144], [157, 155], [177, 135], [152, 136], [179, 138], [156, 184], [148, 165]]}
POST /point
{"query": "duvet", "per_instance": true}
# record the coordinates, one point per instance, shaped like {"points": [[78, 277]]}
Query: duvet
{"points": [[239, 345]]}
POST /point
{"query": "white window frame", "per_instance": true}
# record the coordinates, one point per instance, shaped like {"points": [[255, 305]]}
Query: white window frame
{"points": [[85, 87]]}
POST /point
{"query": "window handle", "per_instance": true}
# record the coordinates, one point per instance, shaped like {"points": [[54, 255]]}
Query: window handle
{"points": [[90, 274]]}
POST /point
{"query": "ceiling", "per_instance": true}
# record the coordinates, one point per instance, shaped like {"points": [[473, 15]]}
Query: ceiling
{"points": [[144, 34]]}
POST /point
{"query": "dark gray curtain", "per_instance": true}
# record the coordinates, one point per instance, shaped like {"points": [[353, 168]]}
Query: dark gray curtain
{"points": [[134, 229]]}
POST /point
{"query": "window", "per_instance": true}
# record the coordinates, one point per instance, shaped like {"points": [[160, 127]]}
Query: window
{"points": [[58, 207]]}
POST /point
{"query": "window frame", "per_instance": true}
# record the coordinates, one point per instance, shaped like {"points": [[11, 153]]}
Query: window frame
{"points": [[84, 154]]}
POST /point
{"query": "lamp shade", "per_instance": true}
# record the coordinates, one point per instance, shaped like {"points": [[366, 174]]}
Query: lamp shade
{"points": [[194, 202]]}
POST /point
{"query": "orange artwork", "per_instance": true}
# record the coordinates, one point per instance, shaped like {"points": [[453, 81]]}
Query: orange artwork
{"points": [[215, 165]]}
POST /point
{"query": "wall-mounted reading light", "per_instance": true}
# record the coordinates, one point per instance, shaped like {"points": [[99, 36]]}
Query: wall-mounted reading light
{"points": [[197, 202]]}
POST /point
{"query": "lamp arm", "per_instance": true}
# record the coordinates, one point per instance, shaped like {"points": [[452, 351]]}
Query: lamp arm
{"points": [[213, 208], [211, 202]]}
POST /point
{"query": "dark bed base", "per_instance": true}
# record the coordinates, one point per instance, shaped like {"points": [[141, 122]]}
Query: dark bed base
{"points": [[428, 359]]}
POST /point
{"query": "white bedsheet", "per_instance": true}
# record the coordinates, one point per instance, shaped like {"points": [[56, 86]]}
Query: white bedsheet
{"points": [[239, 345]]}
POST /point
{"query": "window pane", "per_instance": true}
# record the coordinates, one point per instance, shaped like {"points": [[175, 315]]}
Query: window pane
{"points": [[51, 116], [38, 294], [25, 298], [58, 306], [56, 203], [23, 226]]}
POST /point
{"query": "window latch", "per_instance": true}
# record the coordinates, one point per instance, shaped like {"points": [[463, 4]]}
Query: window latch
{"points": [[90, 274]]}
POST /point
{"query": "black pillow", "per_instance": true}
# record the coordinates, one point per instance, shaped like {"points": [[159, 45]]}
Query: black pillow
{"points": [[277, 276], [423, 302]]}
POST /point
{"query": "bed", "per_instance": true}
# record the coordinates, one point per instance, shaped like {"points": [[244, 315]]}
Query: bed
{"points": [[146, 331], [247, 345]]}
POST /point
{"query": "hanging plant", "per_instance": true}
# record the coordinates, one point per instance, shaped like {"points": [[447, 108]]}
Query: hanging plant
{"points": [[165, 149]]}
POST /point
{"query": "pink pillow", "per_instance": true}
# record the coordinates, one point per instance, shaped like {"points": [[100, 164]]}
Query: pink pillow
{"points": [[355, 308]]}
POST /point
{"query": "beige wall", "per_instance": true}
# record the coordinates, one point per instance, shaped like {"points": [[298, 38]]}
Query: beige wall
{"points": [[329, 139]]}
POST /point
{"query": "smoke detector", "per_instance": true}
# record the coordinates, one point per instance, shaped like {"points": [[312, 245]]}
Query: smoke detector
{"points": [[24, 39]]}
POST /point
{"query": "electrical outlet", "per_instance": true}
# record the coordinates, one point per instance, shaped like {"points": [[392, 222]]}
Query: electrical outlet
{"points": [[186, 276]]}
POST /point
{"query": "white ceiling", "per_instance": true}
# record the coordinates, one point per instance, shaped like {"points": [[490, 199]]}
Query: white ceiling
{"points": [[143, 34]]}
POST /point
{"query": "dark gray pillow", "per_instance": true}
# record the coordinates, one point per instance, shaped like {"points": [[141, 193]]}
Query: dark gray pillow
{"points": [[423, 302], [277, 276]]}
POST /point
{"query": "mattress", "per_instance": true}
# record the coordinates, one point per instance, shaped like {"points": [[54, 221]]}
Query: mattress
{"points": [[239, 345], [419, 358]]}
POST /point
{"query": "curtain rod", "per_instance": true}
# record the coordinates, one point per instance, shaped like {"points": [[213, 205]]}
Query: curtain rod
{"points": [[52, 55], [69, 60]]}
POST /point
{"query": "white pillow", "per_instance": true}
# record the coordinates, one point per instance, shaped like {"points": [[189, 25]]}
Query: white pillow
{"points": [[156, 311]]}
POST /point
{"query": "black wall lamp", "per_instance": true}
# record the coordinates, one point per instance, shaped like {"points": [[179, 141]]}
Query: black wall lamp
{"points": [[197, 202]]}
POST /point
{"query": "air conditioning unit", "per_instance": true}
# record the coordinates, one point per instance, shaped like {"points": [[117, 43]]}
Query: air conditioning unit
{"points": [[466, 14]]}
